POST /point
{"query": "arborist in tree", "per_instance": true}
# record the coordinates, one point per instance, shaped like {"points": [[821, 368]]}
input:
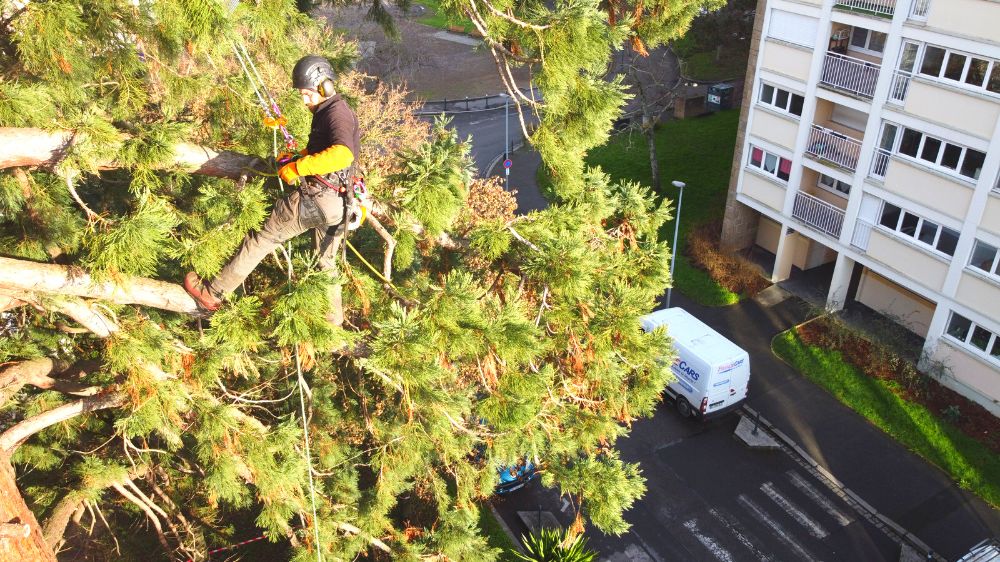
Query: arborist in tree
{"points": [[324, 200]]}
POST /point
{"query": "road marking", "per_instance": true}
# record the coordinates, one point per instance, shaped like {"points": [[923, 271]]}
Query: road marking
{"points": [[478, 121], [814, 528], [708, 542], [815, 495], [565, 505], [741, 534], [779, 531]]}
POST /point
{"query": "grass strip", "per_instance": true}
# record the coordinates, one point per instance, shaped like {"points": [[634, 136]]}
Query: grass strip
{"points": [[697, 151], [435, 18], [495, 534], [970, 464]]}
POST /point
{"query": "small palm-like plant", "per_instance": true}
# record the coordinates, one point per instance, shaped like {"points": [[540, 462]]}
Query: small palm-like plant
{"points": [[553, 545]]}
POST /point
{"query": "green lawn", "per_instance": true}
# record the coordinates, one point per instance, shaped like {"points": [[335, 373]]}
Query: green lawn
{"points": [[495, 534], [969, 463], [435, 18], [703, 66], [697, 151]]}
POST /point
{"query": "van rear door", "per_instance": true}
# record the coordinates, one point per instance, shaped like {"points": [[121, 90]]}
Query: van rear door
{"points": [[728, 383]]}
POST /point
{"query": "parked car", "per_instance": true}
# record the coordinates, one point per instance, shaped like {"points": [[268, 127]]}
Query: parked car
{"points": [[516, 476], [712, 372]]}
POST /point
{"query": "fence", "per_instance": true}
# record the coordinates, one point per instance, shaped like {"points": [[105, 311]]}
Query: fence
{"points": [[818, 214], [833, 146], [862, 234], [851, 74], [876, 7], [900, 85], [880, 163]]}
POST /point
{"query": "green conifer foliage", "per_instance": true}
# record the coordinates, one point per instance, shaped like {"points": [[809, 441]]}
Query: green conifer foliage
{"points": [[499, 337]]}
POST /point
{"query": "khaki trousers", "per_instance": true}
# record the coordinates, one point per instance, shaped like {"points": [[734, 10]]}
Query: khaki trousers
{"points": [[319, 209]]}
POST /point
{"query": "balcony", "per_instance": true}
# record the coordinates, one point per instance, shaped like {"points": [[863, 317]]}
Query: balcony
{"points": [[837, 148], [880, 8], [818, 214], [851, 74], [900, 86], [862, 234]]}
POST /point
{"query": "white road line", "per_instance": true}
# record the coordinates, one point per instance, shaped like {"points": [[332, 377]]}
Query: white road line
{"points": [[708, 542], [741, 535], [565, 505], [779, 531], [814, 528], [815, 495]]}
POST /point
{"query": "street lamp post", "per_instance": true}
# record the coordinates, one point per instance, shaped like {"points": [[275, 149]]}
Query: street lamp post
{"points": [[677, 222], [506, 139]]}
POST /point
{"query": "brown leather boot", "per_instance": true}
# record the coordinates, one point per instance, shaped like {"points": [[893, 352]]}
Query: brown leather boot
{"points": [[201, 294]]}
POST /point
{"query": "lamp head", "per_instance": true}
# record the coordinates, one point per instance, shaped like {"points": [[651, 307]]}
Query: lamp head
{"points": [[679, 184]]}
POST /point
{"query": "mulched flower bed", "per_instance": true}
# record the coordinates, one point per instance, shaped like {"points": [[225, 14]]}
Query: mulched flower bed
{"points": [[878, 362]]}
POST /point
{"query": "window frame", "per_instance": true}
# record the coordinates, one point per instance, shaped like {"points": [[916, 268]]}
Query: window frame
{"points": [[868, 41], [993, 343], [992, 66], [763, 160], [994, 271], [772, 103], [833, 188], [918, 227], [939, 156]]}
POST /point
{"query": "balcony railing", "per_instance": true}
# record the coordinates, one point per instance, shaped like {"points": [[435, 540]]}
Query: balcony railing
{"points": [[862, 234], [830, 145], [900, 86], [919, 9], [851, 74], [880, 163], [883, 8], [818, 214]]}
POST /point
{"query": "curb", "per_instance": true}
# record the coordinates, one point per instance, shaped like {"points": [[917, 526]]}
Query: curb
{"points": [[493, 163], [506, 528], [887, 525]]}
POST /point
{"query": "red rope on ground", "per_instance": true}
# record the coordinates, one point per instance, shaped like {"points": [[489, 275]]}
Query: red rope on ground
{"points": [[232, 546]]}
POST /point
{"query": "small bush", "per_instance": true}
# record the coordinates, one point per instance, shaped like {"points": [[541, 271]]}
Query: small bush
{"points": [[730, 270]]}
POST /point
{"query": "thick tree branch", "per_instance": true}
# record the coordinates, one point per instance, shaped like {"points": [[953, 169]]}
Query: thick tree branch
{"points": [[14, 436], [27, 277], [16, 376]]}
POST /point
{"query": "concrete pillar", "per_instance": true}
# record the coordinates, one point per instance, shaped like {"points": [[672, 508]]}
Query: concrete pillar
{"points": [[784, 256], [840, 283], [939, 322]]}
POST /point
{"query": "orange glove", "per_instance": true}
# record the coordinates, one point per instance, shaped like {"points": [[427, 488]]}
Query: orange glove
{"points": [[289, 173]]}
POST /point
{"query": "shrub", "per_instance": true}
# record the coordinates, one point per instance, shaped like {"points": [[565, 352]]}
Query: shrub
{"points": [[732, 271]]}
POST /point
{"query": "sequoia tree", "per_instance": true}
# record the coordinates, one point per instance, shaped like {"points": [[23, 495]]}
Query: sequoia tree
{"points": [[132, 148]]}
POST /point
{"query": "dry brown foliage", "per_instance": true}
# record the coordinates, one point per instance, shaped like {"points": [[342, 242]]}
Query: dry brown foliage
{"points": [[487, 201], [730, 270]]}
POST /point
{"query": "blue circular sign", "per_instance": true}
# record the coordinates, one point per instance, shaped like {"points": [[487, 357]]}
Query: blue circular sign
{"points": [[507, 163]]}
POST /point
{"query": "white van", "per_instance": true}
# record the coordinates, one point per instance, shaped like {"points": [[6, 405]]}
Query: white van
{"points": [[712, 372]]}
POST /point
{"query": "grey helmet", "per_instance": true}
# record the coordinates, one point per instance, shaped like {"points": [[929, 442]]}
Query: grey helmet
{"points": [[314, 72]]}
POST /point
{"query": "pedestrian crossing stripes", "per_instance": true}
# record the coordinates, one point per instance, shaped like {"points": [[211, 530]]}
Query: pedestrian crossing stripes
{"points": [[742, 535], [778, 529], [821, 500], [814, 528], [715, 548]]}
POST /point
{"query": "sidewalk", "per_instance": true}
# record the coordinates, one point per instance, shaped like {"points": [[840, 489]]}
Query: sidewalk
{"points": [[895, 482]]}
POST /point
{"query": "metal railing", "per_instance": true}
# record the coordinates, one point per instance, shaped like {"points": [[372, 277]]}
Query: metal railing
{"points": [[919, 9], [848, 73], [880, 164], [884, 8], [862, 234], [818, 214], [833, 146], [900, 86]]}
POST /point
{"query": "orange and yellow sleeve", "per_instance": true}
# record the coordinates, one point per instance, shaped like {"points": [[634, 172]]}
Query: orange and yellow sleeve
{"points": [[337, 157]]}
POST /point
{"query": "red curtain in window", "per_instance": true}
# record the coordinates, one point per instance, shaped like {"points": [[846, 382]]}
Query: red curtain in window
{"points": [[785, 166], [756, 155]]}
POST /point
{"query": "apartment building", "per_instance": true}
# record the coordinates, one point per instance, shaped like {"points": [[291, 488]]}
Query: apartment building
{"points": [[869, 143]]}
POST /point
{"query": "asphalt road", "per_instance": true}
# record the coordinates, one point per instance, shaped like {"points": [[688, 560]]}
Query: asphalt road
{"points": [[487, 129], [711, 498]]}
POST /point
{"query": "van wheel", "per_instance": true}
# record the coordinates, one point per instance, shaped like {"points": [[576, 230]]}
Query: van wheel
{"points": [[683, 408]]}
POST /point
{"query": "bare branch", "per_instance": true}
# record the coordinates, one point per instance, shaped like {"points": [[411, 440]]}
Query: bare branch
{"points": [[85, 315], [512, 19], [390, 246], [16, 435], [149, 513]]}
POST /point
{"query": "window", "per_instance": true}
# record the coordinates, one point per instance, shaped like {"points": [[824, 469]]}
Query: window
{"points": [[974, 337], [978, 72], [832, 184], [770, 163], [794, 28], [866, 40], [782, 100], [928, 233], [951, 158], [984, 257]]}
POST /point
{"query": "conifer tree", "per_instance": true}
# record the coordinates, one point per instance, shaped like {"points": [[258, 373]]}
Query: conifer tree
{"points": [[132, 149]]}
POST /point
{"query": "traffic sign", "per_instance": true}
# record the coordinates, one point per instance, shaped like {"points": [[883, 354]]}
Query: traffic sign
{"points": [[507, 163]]}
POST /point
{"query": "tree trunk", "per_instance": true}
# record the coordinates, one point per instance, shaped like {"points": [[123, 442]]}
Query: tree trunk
{"points": [[37, 147], [15, 519], [28, 277]]}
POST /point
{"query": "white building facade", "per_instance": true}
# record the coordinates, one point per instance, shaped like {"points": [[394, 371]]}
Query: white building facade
{"points": [[870, 139]]}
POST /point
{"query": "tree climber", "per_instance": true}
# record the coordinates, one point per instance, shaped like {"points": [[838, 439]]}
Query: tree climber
{"points": [[322, 202]]}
